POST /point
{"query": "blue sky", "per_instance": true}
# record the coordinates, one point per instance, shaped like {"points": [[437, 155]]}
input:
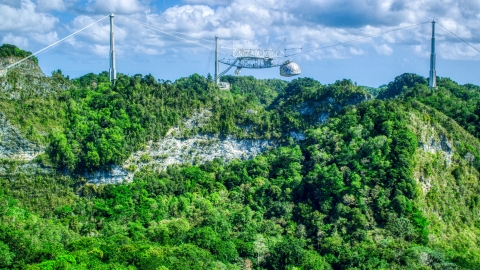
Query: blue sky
{"points": [[34, 24]]}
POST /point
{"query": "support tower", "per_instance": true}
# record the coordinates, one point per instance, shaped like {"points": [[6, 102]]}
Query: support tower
{"points": [[432, 81], [217, 78], [113, 71]]}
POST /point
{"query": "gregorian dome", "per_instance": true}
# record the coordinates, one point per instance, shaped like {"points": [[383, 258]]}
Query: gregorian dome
{"points": [[289, 69]]}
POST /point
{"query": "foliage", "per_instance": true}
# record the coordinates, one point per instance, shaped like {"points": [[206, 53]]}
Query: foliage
{"points": [[8, 50], [306, 103], [346, 197], [105, 124], [311, 206], [461, 103], [265, 91], [375, 91], [401, 84]]}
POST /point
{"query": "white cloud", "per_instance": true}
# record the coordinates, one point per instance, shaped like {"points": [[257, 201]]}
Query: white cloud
{"points": [[384, 49], [267, 23], [24, 18], [46, 5], [19, 41], [354, 51], [98, 33], [101, 50], [453, 26], [12, 3], [208, 2], [187, 18], [309, 24], [115, 6], [458, 51], [145, 50], [45, 39]]}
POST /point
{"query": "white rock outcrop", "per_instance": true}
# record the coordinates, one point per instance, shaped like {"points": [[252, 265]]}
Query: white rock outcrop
{"points": [[174, 149], [195, 150], [113, 175], [13, 145], [434, 142]]}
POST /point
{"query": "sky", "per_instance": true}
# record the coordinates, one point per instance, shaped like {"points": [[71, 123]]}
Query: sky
{"points": [[174, 39]]}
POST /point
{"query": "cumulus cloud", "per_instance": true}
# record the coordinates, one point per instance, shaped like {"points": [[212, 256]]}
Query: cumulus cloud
{"points": [[316, 26], [45, 39], [115, 6], [146, 50], [101, 50], [25, 26], [47, 5], [351, 14], [98, 33], [384, 49], [315, 23], [186, 18], [208, 2], [356, 51], [19, 41], [12, 3], [24, 18], [457, 51]]}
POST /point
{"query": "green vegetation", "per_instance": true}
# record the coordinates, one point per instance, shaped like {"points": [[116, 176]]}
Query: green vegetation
{"points": [[91, 125], [366, 189], [461, 103], [8, 50]]}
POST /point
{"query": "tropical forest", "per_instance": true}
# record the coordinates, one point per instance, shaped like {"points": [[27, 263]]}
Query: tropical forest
{"points": [[146, 173]]}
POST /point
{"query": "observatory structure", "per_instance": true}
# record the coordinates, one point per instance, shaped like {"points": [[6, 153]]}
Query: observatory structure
{"points": [[289, 69], [258, 59]]}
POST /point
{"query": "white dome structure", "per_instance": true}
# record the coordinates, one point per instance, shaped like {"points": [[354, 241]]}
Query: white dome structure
{"points": [[289, 69]]}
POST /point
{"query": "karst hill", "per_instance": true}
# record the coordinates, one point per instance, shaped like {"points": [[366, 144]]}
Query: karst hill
{"points": [[154, 174]]}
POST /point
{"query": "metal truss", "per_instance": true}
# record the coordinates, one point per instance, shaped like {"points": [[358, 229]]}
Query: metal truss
{"points": [[258, 53], [251, 62]]}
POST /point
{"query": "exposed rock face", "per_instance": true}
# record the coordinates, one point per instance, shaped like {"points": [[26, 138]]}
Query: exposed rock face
{"points": [[173, 149], [437, 144], [26, 77], [195, 150], [28, 67], [435, 152], [115, 175], [319, 112], [12, 167], [16, 153], [425, 183], [13, 145]]}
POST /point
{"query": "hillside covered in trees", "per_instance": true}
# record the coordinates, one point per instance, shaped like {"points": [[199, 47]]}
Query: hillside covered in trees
{"points": [[360, 178]]}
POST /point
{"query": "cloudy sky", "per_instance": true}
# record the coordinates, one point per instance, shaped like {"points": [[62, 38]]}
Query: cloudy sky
{"points": [[180, 36]]}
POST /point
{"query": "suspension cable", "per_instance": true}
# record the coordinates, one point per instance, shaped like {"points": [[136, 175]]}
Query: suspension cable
{"points": [[54, 44], [180, 33], [207, 64], [166, 33], [357, 39], [459, 37]]}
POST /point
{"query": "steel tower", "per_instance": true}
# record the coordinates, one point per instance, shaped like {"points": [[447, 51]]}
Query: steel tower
{"points": [[217, 78], [432, 81], [113, 71]]}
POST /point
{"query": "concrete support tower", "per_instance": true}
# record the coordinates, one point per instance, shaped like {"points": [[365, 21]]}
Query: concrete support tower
{"points": [[432, 81], [217, 78], [113, 71]]}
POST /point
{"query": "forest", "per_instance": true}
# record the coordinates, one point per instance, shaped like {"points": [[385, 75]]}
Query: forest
{"points": [[347, 196]]}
